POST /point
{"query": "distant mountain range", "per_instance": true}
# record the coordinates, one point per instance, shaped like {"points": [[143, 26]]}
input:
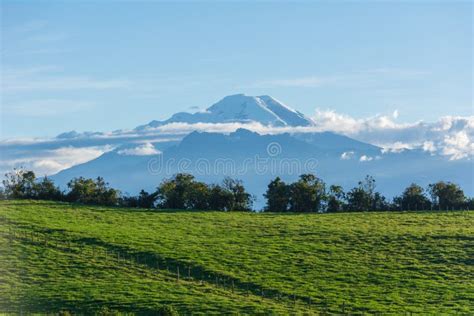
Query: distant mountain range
{"points": [[253, 139], [256, 158]]}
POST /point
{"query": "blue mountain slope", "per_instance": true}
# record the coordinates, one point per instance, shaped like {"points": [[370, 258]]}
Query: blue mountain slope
{"points": [[256, 159]]}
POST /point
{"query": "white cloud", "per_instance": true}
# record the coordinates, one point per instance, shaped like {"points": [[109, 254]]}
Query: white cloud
{"points": [[146, 149], [451, 136], [365, 158], [438, 137], [49, 162], [429, 146], [396, 147], [458, 145], [347, 155], [395, 114]]}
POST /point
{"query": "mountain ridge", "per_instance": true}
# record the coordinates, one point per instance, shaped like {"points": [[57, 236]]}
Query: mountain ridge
{"points": [[240, 108]]}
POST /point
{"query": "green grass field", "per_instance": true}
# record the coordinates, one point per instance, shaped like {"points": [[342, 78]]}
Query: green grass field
{"points": [[79, 259]]}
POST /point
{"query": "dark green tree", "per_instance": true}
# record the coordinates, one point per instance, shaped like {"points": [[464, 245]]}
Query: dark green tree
{"points": [[174, 193], [219, 199], [307, 194], [447, 195], [335, 198], [147, 200], [278, 196], [198, 196], [89, 191], [241, 200], [363, 197], [20, 184], [412, 198], [469, 204], [47, 190]]}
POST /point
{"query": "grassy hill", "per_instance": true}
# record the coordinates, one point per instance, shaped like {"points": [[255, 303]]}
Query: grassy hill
{"points": [[79, 258]]}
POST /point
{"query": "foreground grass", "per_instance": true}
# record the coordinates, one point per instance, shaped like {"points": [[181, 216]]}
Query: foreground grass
{"points": [[64, 257]]}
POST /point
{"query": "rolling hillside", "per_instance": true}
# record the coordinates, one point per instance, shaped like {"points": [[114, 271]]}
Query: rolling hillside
{"points": [[80, 259]]}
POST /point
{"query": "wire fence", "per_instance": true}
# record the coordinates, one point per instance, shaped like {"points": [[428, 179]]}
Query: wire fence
{"points": [[105, 253]]}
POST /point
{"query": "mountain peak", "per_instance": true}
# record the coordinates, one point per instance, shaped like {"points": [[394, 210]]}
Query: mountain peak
{"points": [[240, 108]]}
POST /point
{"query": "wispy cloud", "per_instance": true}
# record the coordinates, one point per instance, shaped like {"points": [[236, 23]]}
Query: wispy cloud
{"points": [[30, 26], [47, 37], [47, 162], [304, 82], [357, 78], [46, 107], [146, 149], [48, 78], [32, 38]]}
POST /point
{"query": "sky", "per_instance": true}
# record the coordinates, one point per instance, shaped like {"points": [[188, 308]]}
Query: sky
{"points": [[90, 66]]}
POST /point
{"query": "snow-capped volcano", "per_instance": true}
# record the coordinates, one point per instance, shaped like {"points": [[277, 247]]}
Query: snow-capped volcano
{"points": [[241, 108]]}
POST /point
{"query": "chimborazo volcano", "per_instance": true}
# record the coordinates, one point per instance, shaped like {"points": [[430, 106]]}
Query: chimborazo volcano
{"points": [[256, 158]]}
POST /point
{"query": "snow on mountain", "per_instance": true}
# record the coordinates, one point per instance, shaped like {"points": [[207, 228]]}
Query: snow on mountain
{"points": [[241, 108]]}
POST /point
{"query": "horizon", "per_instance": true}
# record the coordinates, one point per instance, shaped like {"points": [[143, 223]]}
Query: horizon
{"points": [[54, 70]]}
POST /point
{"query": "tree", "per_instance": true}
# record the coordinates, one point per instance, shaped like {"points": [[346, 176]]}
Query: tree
{"points": [[379, 203], [81, 190], [307, 194], [219, 199], [47, 190], [364, 198], [469, 204], [412, 198], [19, 184], [146, 200], [278, 196], [240, 199], [335, 198], [89, 191], [198, 196], [173, 193], [447, 195]]}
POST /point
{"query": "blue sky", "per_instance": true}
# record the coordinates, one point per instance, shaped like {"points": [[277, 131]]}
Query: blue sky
{"points": [[101, 67]]}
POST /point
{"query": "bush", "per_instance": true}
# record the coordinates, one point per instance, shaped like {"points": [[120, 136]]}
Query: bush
{"points": [[167, 310]]}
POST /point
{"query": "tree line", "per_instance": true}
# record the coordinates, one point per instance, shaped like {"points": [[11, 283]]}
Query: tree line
{"points": [[182, 191], [311, 194]]}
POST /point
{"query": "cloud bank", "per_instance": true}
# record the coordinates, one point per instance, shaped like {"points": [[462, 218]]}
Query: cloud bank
{"points": [[146, 149], [450, 137]]}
